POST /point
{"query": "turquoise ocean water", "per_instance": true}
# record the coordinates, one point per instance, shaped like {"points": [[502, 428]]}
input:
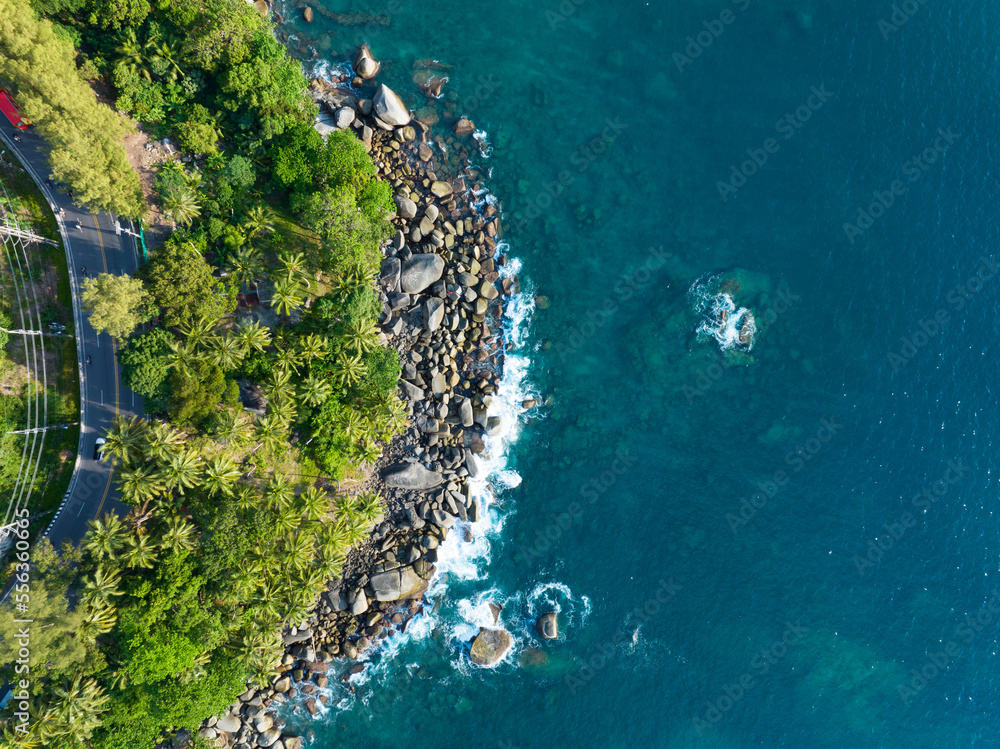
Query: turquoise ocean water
{"points": [[789, 544]]}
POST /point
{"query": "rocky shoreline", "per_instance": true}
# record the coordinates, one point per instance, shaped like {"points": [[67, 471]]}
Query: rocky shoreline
{"points": [[443, 299]]}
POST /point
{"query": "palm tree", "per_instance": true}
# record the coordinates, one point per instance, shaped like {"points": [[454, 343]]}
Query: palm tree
{"points": [[287, 518], [178, 535], [312, 347], [246, 266], [197, 333], [124, 440], [133, 54], [287, 296], [169, 52], [287, 359], [252, 335], [220, 476], [140, 551], [369, 506], [279, 492], [73, 712], [294, 268], [368, 452], [329, 560], [315, 390], [225, 351], [106, 537], [98, 620], [162, 440], [361, 336], [282, 409], [345, 506], [180, 356], [140, 484], [396, 417], [352, 424], [245, 497], [315, 503], [354, 277], [349, 370], [182, 471], [312, 578], [230, 426], [299, 603], [357, 530], [183, 206], [298, 552], [34, 738], [100, 589], [280, 385], [258, 221], [270, 432]]}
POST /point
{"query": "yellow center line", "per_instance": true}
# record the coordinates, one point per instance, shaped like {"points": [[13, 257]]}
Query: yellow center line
{"points": [[114, 358]]}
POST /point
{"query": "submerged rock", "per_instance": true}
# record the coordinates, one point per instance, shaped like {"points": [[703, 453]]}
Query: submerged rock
{"points": [[489, 646]]}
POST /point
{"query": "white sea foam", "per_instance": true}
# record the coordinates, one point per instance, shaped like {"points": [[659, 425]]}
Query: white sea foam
{"points": [[731, 326], [482, 140]]}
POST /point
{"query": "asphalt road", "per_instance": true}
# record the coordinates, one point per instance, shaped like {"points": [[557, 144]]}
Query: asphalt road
{"points": [[96, 247]]}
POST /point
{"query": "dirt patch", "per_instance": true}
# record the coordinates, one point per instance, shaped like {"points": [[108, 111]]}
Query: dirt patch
{"points": [[144, 154]]}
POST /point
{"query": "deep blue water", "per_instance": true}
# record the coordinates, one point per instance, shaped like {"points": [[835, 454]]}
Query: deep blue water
{"points": [[870, 389]]}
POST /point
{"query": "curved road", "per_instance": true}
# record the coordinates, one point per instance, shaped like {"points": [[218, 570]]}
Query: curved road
{"points": [[99, 249]]}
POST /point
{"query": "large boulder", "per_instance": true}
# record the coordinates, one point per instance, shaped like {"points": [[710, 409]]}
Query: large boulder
{"points": [[396, 585], [441, 189], [420, 271], [472, 465], [269, 737], [229, 723], [343, 117], [433, 313], [548, 626], [389, 273], [389, 108], [411, 392], [411, 476], [365, 63], [407, 209], [489, 646], [360, 604]]}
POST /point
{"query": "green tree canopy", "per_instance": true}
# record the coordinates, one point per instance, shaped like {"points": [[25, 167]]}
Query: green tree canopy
{"points": [[196, 391], [115, 14], [143, 361], [85, 136], [55, 650], [182, 285], [116, 304]]}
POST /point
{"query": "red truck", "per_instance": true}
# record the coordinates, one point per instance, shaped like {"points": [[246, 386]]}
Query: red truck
{"points": [[9, 108]]}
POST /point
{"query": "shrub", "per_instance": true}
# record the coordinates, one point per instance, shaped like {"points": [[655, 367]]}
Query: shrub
{"points": [[143, 364]]}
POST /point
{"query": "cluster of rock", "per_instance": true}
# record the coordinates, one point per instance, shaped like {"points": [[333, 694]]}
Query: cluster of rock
{"points": [[250, 723], [442, 299]]}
